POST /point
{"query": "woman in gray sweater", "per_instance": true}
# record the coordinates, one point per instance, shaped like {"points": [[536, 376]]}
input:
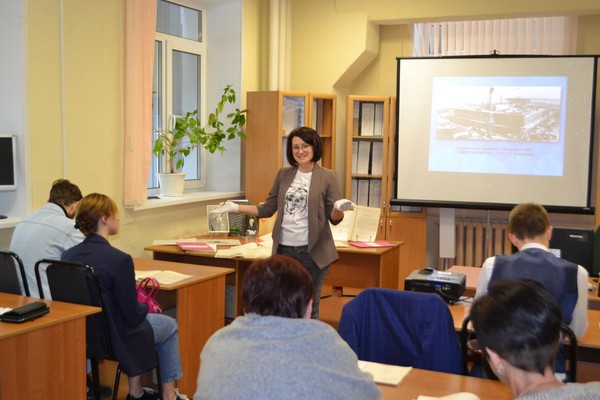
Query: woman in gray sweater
{"points": [[275, 351]]}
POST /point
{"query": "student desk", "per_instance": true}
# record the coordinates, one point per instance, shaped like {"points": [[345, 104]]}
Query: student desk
{"points": [[44, 358], [472, 274], [200, 308], [356, 268], [431, 383]]}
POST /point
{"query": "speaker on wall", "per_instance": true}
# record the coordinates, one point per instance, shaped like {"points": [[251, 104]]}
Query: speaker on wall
{"points": [[575, 245]]}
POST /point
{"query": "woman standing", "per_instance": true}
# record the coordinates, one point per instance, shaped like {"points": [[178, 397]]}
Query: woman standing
{"points": [[134, 333], [306, 198]]}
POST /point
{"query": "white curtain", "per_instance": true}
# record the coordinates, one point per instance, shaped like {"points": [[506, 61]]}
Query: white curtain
{"points": [[140, 26], [544, 36]]}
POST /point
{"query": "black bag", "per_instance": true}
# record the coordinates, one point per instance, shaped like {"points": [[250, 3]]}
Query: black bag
{"points": [[28, 312]]}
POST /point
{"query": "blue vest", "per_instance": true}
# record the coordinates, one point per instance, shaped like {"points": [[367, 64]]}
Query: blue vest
{"points": [[557, 275]]}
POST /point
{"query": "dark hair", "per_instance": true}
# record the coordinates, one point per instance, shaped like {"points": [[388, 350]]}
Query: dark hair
{"points": [[64, 193], [528, 220], [278, 286], [90, 209], [309, 136], [520, 321]]}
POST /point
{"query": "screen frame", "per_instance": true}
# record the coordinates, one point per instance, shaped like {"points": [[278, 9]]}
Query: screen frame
{"points": [[11, 187], [586, 209]]}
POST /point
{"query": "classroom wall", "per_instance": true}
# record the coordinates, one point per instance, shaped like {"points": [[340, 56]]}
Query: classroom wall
{"points": [[350, 47]]}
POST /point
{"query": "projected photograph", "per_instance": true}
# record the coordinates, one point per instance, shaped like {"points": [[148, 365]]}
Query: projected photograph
{"points": [[498, 125], [498, 113]]}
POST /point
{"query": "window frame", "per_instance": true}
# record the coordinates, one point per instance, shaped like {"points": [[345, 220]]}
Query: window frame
{"points": [[172, 44]]}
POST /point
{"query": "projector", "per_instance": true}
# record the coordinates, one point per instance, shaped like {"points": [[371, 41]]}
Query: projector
{"points": [[449, 285]]}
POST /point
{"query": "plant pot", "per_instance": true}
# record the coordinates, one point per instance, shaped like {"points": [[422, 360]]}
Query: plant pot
{"points": [[171, 185]]}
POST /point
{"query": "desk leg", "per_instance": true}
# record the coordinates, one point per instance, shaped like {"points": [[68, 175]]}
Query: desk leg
{"points": [[48, 363], [200, 313]]}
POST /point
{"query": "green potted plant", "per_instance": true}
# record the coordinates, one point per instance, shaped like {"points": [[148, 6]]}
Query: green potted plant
{"points": [[173, 146]]}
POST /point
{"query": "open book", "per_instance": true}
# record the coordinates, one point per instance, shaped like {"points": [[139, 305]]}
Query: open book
{"points": [[358, 225], [384, 373], [164, 277]]}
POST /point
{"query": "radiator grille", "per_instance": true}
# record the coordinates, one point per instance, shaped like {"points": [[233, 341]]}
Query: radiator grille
{"points": [[477, 240]]}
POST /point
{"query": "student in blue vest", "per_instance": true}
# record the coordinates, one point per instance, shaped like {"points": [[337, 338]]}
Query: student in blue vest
{"points": [[530, 231]]}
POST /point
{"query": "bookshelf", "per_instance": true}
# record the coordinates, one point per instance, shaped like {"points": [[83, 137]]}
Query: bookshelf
{"points": [[370, 179], [271, 116], [369, 131]]}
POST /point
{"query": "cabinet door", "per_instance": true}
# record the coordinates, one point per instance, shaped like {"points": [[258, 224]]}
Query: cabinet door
{"points": [[321, 117], [412, 230], [272, 115], [367, 157]]}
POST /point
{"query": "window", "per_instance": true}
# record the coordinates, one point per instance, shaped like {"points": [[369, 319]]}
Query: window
{"points": [[178, 81], [544, 36]]}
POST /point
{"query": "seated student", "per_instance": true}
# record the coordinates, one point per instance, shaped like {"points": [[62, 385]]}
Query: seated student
{"points": [[275, 351], [134, 332], [518, 328], [530, 231]]}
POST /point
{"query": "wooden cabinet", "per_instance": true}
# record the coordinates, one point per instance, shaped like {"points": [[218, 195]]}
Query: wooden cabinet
{"points": [[370, 166], [272, 115], [368, 138]]}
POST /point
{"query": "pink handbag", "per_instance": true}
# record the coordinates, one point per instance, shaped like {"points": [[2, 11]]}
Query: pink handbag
{"points": [[147, 290]]}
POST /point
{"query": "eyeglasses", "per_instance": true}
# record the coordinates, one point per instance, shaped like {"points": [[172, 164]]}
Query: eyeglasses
{"points": [[303, 147]]}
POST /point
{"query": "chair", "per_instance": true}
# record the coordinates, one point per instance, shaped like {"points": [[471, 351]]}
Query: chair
{"points": [[74, 282], [401, 328], [566, 360], [12, 274], [568, 351]]}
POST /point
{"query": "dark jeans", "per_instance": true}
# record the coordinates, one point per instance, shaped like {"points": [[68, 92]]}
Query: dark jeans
{"points": [[300, 254]]}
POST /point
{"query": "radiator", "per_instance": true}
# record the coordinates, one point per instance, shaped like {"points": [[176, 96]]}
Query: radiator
{"points": [[477, 240]]}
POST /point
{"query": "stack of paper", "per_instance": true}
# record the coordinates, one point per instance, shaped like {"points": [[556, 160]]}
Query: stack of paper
{"points": [[248, 250], [196, 246]]}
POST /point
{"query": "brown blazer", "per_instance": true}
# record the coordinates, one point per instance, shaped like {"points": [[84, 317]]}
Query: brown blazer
{"points": [[323, 192]]}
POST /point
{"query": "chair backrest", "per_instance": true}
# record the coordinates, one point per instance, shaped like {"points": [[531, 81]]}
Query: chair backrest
{"points": [[401, 328], [74, 282], [568, 352], [12, 274]]}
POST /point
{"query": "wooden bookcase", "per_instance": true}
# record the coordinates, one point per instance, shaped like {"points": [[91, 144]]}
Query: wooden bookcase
{"points": [[376, 172], [368, 136], [271, 116]]}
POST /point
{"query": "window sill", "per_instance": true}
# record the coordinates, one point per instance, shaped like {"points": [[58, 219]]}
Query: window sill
{"points": [[186, 198]]}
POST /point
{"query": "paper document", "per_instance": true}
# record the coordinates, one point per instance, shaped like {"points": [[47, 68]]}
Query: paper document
{"points": [[358, 225], [248, 250], [164, 277], [384, 373]]}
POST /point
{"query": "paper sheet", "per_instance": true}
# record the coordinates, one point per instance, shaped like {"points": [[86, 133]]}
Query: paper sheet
{"points": [[164, 277], [384, 373]]}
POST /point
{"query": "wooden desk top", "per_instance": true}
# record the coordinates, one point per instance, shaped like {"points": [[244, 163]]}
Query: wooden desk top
{"points": [[59, 313], [472, 274], [172, 249], [199, 273], [591, 339], [430, 383]]}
